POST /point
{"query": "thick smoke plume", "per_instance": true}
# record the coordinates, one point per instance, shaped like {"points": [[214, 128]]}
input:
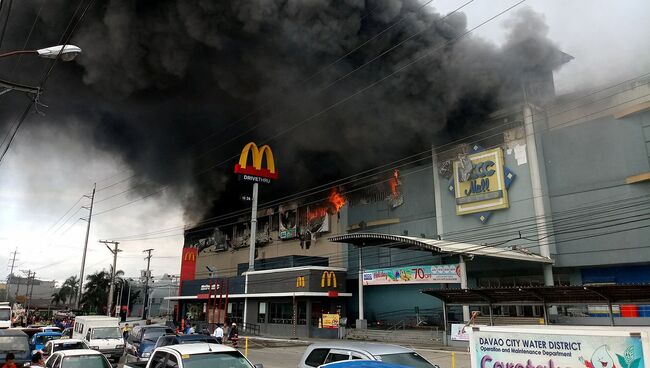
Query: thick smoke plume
{"points": [[161, 83]]}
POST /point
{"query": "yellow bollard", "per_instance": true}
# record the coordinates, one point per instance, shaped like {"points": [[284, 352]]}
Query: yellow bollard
{"points": [[246, 348], [453, 359]]}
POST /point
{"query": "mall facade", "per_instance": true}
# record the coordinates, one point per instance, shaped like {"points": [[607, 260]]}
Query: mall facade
{"points": [[553, 192]]}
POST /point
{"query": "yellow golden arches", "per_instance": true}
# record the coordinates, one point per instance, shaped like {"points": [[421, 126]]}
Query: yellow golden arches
{"points": [[328, 278]]}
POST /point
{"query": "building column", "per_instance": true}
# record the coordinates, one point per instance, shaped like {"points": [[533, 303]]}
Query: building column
{"points": [[463, 284], [361, 322], [543, 228]]}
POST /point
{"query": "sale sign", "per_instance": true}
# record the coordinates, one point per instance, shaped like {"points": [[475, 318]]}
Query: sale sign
{"points": [[430, 274]]}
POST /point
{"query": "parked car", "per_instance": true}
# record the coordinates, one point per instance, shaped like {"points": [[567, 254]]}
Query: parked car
{"points": [[167, 340], [17, 342], [195, 355], [53, 346], [85, 358], [67, 333], [362, 364], [328, 352], [142, 340], [40, 339]]}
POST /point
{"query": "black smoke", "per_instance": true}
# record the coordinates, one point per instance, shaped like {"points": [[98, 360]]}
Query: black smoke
{"points": [[164, 84]]}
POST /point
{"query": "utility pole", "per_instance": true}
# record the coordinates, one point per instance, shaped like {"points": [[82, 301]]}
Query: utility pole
{"points": [[109, 305], [28, 293], [145, 305], [83, 258], [11, 273]]}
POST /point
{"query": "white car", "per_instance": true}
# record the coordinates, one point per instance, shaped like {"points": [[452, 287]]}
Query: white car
{"points": [[324, 353], [77, 359], [53, 346], [195, 356]]}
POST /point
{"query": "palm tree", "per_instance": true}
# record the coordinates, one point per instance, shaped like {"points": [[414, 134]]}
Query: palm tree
{"points": [[71, 286], [95, 291], [56, 298]]}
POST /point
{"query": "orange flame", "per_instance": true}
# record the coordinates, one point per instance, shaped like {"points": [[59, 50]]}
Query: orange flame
{"points": [[335, 201], [394, 182]]}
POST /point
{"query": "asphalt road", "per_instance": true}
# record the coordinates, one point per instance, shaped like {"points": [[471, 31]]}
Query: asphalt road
{"points": [[288, 357]]}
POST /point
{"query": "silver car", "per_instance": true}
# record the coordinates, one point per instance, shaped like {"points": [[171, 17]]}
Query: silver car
{"points": [[328, 352]]}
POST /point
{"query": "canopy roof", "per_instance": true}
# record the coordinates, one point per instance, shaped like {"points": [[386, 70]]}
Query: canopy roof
{"points": [[555, 295], [438, 246]]}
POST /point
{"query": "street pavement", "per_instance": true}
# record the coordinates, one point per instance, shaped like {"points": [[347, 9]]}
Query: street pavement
{"points": [[288, 357]]}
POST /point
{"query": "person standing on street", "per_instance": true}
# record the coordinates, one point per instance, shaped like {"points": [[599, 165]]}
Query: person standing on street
{"points": [[218, 334], [37, 360], [233, 335], [9, 361]]}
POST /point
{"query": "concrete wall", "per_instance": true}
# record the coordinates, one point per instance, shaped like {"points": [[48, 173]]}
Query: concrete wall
{"points": [[587, 165]]}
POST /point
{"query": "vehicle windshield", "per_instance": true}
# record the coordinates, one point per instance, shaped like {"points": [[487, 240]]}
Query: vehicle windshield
{"points": [[407, 359], [85, 361], [42, 340], [107, 333], [232, 359], [72, 345], [5, 314], [19, 345], [152, 334]]}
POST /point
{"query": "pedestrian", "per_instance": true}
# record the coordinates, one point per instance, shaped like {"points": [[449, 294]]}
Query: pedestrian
{"points": [[125, 331], [233, 335], [192, 329], [218, 334], [9, 361], [37, 360]]}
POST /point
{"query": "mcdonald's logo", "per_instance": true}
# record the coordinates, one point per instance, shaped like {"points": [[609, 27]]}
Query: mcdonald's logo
{"points": [[328, 278], [258, 155], [190, 256], [300, 281]]}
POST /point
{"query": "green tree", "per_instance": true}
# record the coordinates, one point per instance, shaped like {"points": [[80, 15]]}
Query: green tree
{"points": [[56, 298], [95, 291]]}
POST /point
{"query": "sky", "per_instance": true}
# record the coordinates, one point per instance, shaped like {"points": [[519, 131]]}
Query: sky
{"points": [[47, 171]]}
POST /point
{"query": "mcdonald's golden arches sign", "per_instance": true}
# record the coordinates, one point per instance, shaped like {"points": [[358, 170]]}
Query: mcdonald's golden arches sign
{"points": [[255, 171], [300, 281], [328, 279]]}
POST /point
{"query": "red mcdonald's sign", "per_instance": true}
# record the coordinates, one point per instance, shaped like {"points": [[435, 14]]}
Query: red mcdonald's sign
{"points": [[188, 264]]}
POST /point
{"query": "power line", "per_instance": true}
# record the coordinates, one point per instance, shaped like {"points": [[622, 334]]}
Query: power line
{"points": [[373, 84], [34, 100], [354, 177]]}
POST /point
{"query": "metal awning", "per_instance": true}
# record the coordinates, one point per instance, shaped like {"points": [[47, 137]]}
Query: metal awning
{"points": [[438, 246], [550, 295]]}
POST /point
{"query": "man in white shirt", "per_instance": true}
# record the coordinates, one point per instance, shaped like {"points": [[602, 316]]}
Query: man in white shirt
{"points": [[218, 334]]}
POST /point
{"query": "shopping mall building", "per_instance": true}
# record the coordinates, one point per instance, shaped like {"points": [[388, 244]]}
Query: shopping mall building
{"points": [[553, 192]]}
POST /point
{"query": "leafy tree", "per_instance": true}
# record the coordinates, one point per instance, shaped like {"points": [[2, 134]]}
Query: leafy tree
{"points": [[56, 298], [95, 291]]}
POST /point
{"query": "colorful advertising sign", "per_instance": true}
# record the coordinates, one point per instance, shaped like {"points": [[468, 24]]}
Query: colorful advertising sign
{"points": [[436, 274], [255, 172], [331, 321], [585, 348], [188, 264]]}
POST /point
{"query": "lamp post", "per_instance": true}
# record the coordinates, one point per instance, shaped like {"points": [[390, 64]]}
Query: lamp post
{"points": [[64, 52]]}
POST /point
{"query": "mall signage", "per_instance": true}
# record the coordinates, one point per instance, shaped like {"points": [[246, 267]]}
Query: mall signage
{"points": [[430, 274], [480, 183]]}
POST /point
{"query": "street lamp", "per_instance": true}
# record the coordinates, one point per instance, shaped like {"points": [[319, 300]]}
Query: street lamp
{"points": [[65, 52]]}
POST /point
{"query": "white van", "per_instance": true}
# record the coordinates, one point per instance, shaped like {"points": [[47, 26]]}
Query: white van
{"points": [[100, 333], [5, 315]]}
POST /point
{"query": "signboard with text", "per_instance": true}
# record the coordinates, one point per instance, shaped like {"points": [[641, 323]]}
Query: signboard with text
{"points": [[550, 349], [330, 320], [430, 274], [480, 183]]}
